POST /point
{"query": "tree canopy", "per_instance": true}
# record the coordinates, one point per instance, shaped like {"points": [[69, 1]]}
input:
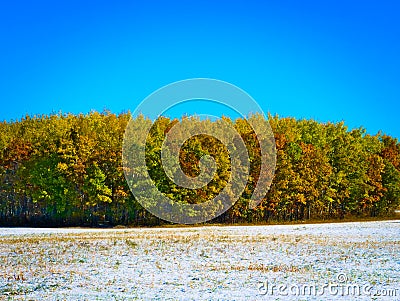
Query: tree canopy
{"points": [[66, 169]]}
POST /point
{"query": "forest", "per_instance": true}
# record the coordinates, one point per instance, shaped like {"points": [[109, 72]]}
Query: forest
{"points": [[66, 170]]}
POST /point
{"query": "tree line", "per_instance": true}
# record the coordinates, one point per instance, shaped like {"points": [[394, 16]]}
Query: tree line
{"points": [[66, 170]]}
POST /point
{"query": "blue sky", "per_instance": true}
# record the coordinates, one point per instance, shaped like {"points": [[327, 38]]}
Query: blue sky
{"points": [[327, 60]]}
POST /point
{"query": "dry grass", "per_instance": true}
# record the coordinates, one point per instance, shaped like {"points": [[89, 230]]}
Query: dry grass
{"points": [[143, 262]]}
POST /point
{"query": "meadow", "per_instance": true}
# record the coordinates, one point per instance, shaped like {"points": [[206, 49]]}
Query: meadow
{"points": [[202, 263]]}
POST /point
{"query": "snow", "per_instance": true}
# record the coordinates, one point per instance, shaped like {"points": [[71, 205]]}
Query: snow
{"points": [[198, 263]]}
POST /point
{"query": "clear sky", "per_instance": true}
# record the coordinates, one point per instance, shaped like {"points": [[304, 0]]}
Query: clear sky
{"points": [[327, 60]]}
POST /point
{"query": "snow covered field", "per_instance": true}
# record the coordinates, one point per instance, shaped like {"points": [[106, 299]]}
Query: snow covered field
{"points": [[291, 262]]}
